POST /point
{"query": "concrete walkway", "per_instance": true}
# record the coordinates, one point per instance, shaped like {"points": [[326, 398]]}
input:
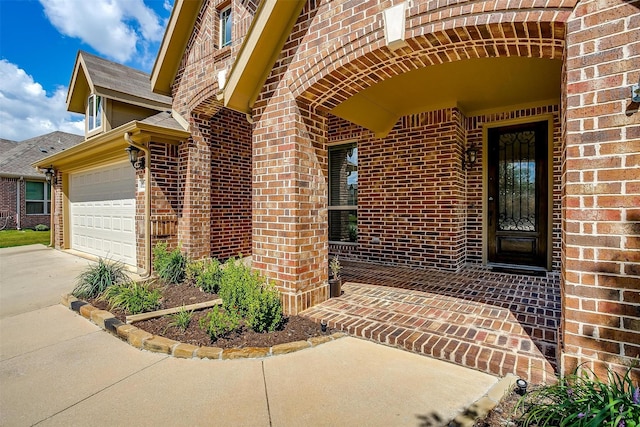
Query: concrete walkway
{"points": [[56, 368]]}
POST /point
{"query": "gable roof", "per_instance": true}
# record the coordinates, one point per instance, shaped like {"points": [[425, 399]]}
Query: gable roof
{"points": [[17, 161], [95, 75]]}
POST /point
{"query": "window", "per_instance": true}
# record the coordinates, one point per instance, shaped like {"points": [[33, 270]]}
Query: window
{"points": [[225, 27], [37, 198], [94, 113], [343, 193]]}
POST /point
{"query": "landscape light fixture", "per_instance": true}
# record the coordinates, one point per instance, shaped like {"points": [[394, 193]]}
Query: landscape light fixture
{"points": [[136, 162], [50, 175], [521, 386], [470, 157]]}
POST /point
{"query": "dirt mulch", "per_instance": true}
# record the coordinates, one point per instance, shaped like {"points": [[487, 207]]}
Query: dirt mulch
{"points": [[295, 328], [504, 414]]}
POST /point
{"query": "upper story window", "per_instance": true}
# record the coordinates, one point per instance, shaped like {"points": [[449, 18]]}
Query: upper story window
{"points": [[343, 193], [94, 112], [225, 27], [37, 198]]}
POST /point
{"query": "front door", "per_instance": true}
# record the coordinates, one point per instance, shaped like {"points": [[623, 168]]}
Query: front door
{"points": [[518, 195]]}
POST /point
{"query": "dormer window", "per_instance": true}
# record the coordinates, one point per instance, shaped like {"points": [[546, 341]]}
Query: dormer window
{"points": [[94, 112], [225, 27]]}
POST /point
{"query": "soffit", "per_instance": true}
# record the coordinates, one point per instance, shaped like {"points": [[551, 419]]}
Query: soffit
{"points": [[474, 86]]}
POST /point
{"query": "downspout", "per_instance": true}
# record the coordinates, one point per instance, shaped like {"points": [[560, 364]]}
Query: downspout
{"points": [[147, 201], [18, 210]]}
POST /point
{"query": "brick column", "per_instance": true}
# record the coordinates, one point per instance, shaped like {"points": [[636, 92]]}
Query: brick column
{"points": [[601, 256], [290, 242], [194, 220]]}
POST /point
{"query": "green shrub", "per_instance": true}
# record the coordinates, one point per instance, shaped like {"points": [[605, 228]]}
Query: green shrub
{"points": [[205, 274], [582, 399], [133, 297], [41, 227], [98, 277], [218, 322], [181, 319], [237, 285], [170, 266], [264, 309]]}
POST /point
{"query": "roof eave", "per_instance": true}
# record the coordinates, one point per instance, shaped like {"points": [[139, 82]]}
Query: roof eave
{"points": [[259, 52], [174, 42]]}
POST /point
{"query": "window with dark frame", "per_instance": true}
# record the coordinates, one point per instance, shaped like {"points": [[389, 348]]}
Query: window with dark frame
{"points": [[225, 27], [343, 193], [37, 198]]}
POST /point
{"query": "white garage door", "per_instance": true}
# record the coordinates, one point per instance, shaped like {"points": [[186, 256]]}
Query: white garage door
{"points": [[102, 204]]}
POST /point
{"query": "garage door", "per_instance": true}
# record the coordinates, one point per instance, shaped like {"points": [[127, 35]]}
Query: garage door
{"points": [[102, 208]]}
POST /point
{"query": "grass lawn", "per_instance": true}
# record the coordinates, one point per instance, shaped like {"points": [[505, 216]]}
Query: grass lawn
{"points": [[9, 238]]}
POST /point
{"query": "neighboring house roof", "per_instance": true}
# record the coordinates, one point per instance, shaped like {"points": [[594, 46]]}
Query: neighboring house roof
{"points": [[95, 75], [6, 144], [17, 161]]}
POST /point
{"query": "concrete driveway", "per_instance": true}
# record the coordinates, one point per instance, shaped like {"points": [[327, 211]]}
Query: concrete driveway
{"points": [[57, 368]]}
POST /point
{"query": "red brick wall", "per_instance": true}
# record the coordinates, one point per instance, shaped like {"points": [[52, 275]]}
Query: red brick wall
{"points": [[230, 144], [8, 200], [601, 276], [414, 196]]}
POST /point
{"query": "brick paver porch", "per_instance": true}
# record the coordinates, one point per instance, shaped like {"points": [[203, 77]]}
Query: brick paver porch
{"points": [[494, 322]]}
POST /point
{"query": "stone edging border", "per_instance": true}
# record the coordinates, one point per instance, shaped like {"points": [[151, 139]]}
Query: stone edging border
{"points": [[145, 341]]}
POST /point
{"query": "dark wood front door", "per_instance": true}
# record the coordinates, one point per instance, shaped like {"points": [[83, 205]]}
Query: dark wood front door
{"points": [[518, 194]]}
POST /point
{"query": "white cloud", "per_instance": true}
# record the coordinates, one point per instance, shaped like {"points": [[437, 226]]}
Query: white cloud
{"points": [[26, 110], [118, 29], [167, 5]]}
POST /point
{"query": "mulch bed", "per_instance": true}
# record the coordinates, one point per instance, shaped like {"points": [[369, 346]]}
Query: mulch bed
{"points": [[295, 328], [504, 414]]}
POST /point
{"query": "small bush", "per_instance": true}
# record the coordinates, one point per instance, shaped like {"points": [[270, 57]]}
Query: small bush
{"points": [[217, 323], [264, 309], [237, 285], [98, 277], [170, 266], [41, 227], [582, 399], [205, 274], [133, 297], [181, 319]]}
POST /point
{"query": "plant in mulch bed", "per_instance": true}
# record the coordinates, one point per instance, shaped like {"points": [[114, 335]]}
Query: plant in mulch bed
{"points": [[170, 266], [205, 274], [582, 399], [264, 312], [181, 319], [96, 278], [132, 297], [219, 322]]}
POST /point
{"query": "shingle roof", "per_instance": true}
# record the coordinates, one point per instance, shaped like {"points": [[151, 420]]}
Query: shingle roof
{"points": [[110, 75], [6, 144], [17, 161], [164, 119]]}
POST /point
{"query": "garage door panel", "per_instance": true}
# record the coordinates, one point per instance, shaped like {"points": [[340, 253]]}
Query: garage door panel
{"points": [[103, 212]]}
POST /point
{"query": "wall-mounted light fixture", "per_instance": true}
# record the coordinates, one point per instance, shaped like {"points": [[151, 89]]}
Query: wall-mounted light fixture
{"points": [[136, 162], [470, 157], [635, 92], [50, 175]]}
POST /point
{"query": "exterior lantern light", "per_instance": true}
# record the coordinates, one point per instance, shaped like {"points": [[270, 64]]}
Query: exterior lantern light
{"points": [[470, 157], [521, 386], [50, 175], [136, 162]]}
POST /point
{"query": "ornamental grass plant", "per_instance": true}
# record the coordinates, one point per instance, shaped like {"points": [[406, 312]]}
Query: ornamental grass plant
{"points": [[133, 297], [96, 278], [583, 400]]}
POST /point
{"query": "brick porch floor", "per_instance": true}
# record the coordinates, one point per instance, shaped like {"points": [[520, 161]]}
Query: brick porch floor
{"points": [[494, 322]]}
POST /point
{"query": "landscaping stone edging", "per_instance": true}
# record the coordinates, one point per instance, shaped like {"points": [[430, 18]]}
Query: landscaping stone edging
{"points": [[143, 340]]}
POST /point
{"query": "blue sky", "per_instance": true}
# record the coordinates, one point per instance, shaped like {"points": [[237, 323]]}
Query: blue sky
{"points": [[39, 40]]}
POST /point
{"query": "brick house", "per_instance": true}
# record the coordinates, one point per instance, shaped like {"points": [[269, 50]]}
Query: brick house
{"points": [[24, 192], [445, 135]]}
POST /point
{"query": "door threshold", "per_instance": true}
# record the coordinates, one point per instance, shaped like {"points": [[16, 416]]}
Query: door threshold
{"points": [[530, 270]]}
